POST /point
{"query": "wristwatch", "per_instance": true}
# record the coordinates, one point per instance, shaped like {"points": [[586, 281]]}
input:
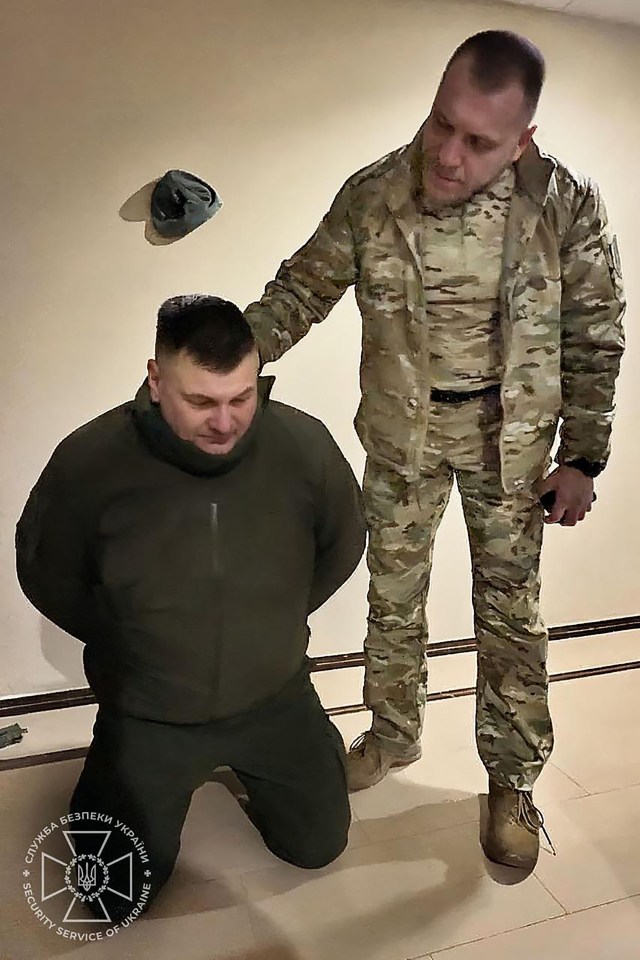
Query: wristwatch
{"points": [[588, 467]]}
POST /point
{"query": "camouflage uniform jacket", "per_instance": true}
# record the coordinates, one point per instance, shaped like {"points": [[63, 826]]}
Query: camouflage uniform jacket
{"points": [[561, 301]]}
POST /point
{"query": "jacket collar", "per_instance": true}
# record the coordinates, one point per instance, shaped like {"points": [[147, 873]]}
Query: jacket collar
{"points": [[166, 445], [534, 174]]}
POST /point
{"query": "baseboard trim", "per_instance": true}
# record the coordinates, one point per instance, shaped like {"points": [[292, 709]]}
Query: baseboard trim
{"points": [[39, 759], [77, 753], [470, 691], [82, 696], [569, 631]]}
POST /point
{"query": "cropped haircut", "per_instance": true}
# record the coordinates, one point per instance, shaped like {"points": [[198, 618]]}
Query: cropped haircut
{"points": [[212, 331]]}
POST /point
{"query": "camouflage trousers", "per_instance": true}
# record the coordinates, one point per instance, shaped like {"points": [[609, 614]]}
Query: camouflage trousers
{"points": [[513, 727]]}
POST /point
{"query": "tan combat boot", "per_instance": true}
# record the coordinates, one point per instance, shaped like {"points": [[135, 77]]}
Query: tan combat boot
{"points": [[368, 762], [513, 834]]}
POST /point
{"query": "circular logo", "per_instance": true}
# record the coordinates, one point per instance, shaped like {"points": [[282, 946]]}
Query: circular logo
{"points": [[86, 876]]}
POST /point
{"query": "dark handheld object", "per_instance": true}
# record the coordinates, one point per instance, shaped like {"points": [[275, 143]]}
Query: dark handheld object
{"points": [[548, 500]]}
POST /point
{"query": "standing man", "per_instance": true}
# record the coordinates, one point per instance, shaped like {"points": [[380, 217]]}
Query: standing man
{"points": [[491, 298]]}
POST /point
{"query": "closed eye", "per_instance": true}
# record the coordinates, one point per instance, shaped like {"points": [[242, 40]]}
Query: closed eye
{"points": [[442, 123], [483, 146]]}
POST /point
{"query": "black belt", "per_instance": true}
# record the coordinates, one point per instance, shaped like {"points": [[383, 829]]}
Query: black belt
{"points": [[455, 396]]}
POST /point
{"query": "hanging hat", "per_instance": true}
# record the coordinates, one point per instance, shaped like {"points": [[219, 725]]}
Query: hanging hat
{"points": [[180, 202]]}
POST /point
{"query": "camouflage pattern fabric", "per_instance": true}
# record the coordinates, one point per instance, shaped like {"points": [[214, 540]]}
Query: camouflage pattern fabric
{"points": [[561, 302], [461, 248], [514, 731], [533, 298]]}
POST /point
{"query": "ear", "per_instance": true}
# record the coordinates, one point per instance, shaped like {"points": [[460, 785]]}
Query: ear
{"points": [[525, 139], [153, 373], [258, 360]]}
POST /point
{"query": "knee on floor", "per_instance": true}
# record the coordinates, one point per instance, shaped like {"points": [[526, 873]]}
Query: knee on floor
{"points": [[314, 856]]}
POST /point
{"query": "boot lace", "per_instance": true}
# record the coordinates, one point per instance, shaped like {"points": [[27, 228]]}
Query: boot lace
{"points": [[360, 742], [529, 814]]}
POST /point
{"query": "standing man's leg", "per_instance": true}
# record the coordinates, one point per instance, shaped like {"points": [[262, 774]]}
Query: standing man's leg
{"points": [[513, 725], [403, 519], [143, 774], [291, 760]]}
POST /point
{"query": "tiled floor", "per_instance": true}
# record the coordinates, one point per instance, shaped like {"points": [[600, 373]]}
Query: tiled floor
{"points": [[412, 883]]}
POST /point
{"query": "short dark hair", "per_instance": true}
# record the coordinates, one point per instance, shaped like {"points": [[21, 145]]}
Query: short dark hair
{"points": [[212, 331], [500, 57]]}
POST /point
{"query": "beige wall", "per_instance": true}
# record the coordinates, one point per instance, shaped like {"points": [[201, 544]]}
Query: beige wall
{"points": [[276, 102]]}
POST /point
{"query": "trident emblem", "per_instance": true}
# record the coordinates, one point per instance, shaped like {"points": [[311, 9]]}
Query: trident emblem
{"points": [[87, 876]]}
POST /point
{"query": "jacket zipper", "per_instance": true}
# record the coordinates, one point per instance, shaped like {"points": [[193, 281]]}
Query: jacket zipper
{"points": [[215, 541], [217, 622]]}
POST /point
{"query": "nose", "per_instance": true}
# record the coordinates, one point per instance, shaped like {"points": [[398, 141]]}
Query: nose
{"points": [[221, 421], [450, 155]]}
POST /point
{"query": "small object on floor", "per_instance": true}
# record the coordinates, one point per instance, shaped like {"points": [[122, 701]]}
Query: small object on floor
{"points": [[368, 762], [513, 833], [12, 734]]}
